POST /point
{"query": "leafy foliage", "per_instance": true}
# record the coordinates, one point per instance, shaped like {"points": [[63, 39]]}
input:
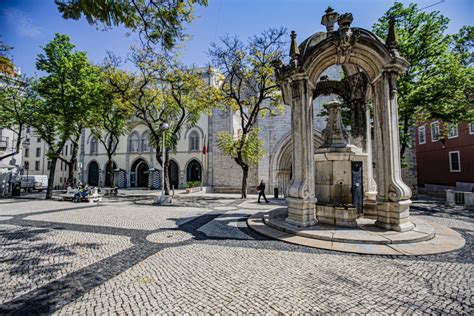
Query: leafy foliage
{"points": [[17, 97], [68, 96], [155, 20], [250, 146], [160, 92], [439, 83], [249, 89]]}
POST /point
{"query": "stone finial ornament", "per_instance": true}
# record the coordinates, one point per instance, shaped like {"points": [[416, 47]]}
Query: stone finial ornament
{"points": [[294, 50], [329, 19], [334, 135], [344, 38], [344, 21], [392, 38]]}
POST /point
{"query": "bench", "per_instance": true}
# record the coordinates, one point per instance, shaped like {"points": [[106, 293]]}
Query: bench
{"points": [[69, 195]]}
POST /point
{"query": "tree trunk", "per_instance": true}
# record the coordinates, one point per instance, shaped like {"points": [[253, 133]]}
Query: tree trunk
{"points": [[403, 145], [245, 174], [110, 170], [52, 171]]}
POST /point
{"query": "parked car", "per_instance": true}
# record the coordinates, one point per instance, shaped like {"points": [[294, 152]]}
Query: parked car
{"points": [[34, 182]]}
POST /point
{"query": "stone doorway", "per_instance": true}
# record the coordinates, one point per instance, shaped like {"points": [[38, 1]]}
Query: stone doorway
{"points": [[140, 171], [93, 174], [193, 171], [174, 174]]}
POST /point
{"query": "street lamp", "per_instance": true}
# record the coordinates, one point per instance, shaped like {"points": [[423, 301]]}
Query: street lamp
{"points": [[26, 164], [164, 127]]}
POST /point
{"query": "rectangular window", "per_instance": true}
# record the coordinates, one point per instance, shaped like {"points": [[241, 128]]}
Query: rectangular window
{"points": [[27, 152], [471, 128], [38, 140], [434, 131], [27, 165], [49, 164], [422, 135], [61, 166], [454, 161], [37, 165], [38, 152], [452, 130]]}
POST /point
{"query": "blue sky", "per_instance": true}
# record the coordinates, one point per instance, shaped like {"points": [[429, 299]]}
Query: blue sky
{"points": [[28, 24]]}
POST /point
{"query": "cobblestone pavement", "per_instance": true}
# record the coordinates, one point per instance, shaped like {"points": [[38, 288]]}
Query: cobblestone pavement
{"points": [[198, 257]]}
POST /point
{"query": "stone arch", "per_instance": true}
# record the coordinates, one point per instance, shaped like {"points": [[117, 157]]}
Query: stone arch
{"points": [[193, 170], [93, 173], [139, 172], [173, 173], [281, 161], [198, 128]]}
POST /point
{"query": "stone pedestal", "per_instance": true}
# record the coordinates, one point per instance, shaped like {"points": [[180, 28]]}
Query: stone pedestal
{"points": [[394, 216], [301, 212], [333, 183], [336, 215]]}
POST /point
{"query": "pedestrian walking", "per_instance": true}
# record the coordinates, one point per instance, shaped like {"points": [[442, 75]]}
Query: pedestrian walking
{"points": [[261, 191]]}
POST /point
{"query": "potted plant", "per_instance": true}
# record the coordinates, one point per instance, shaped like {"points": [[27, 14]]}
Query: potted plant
{"points": [[192, 186]]}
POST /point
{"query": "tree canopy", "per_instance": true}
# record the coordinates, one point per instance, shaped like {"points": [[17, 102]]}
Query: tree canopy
{"points": [[249, 89], [68, 96], [162, 91], [157, 21], [439, 82]]}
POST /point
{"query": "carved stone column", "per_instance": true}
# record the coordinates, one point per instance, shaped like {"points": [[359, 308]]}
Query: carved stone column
{"points": [[301, 200], [393, 195]]}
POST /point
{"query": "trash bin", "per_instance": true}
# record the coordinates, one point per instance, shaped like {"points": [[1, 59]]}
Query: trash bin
{"points": [[16, 189], [275, 193]]}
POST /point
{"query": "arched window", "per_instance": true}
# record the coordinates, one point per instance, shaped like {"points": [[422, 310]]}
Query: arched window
{"points": [[134, 142], [145, 142], [93, 145], [194, 141]]}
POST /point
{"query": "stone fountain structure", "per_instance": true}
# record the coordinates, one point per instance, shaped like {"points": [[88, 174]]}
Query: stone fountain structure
{"points": [[348, 194], [373, 66]]}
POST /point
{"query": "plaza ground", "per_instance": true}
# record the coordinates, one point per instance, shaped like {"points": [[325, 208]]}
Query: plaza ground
{"points": [[128, 256]]}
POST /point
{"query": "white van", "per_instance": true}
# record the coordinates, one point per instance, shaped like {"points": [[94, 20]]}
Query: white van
{"points": [[34, 182]]}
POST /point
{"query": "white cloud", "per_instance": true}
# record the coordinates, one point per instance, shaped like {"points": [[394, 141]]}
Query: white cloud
{"points": [[21, 23]]}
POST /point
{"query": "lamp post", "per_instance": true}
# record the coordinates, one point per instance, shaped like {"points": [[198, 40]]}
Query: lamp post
{"points": [[164, 127], [26, 164]]}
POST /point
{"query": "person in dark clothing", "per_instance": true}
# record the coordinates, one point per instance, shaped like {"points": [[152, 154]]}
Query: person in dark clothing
{"points": [[261, 191]]}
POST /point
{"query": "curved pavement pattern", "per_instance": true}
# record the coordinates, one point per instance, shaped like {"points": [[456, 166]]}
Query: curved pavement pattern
{"points": [[199, 256]]}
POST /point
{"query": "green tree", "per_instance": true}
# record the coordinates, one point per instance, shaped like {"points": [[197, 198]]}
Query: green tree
{"points": [[110, 122], [17, 97], [157, 21], [249, 89], [439, 82], [163, 92], [68, 95]]}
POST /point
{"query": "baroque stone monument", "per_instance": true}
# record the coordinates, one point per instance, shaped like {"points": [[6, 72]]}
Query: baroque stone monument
{"points": [[340, 181]]}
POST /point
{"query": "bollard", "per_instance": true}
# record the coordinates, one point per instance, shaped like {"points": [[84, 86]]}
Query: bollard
{"points": [[450, 198]]}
